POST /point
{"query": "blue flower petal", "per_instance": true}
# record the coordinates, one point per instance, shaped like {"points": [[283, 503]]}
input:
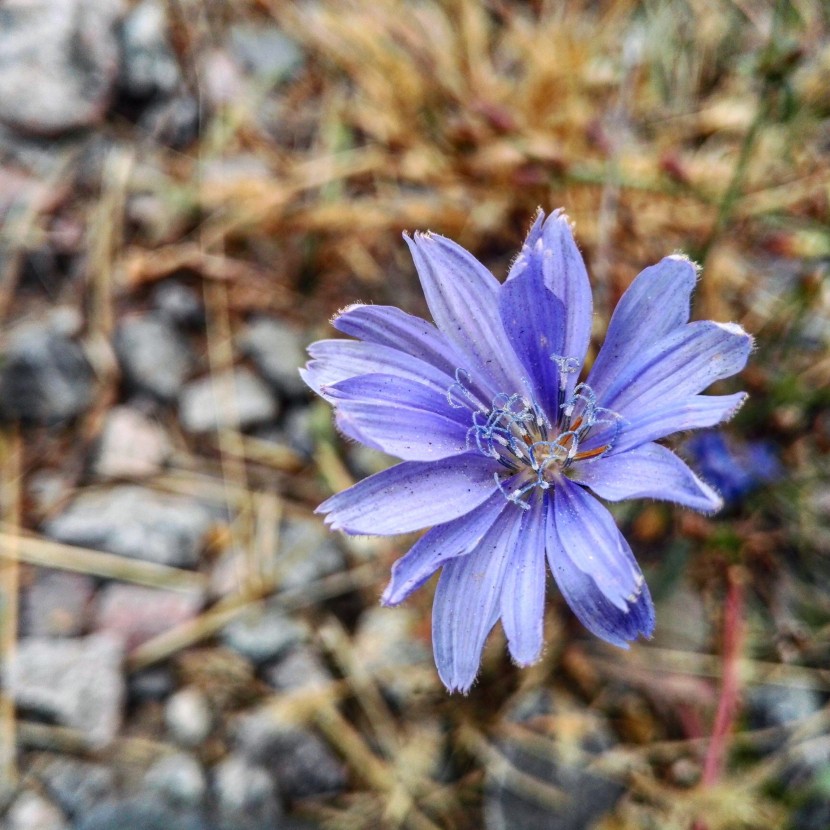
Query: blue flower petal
{"points": [[400, 416], [587, 599], [438, 545], [564, 272], [411, 496], [655, 303], [466, 605], [523, 591], [463, 297], [591, 539], [649, 424], [650, 471], [680, 364], [534, 320], [391, 327], [528, 246], [336, 360]]}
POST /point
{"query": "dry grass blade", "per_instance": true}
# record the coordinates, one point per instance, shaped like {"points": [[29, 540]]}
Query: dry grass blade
{"points": [[38, 551], [10, 502]]}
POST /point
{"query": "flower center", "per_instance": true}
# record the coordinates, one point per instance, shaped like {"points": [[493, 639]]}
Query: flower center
{"points": [[537, 449]]}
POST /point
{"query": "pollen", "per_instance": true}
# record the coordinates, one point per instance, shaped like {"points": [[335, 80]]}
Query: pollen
{"points": [[535, 448]]}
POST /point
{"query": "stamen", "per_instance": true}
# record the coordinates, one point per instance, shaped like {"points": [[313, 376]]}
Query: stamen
{"points": [[514, 431]]}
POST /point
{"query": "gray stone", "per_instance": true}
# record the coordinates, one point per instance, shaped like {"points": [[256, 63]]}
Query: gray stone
{"points": [[246, 796], [155, 683], [75, 682], [770, 705], [569, 795], [135, 614], [31, 811], [77, 786], [179, 304], [131, 445], [188, 717], [175, 122], [225, 400], [178, 779], [58, 63], [154, 357], [44, 376], [135, 522], [263, 633], [143, 812], [298, 429], [302, 763], [384, 646], [307, 553], [278, 351], [265, 51], [149, 67], [300, 668], [56, 604]]}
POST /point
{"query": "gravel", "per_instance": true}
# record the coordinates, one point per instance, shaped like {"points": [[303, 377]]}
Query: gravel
{"points": [[135, 522], [44, 375], [233, 398], [154, 356], [75, 682], [59, 60]]}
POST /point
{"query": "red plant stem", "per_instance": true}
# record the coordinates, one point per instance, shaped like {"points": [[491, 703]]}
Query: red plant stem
{"points": [[730, 682]]}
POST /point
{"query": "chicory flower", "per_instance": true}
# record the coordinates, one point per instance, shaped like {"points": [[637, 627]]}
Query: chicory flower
{"points": [[504, 450]]}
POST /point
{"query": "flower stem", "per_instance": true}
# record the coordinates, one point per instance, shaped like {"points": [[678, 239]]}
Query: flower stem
{"points": [[733, 635]]}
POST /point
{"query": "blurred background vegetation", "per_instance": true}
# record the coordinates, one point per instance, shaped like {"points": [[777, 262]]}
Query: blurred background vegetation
{"points": [[188, 191]]}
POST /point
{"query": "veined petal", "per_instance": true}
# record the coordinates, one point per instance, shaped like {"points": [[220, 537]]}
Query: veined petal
{"points": [[404, 392], [466, 605], [389, 326], [523, 591], [463, 297], [400, 417], [565, 274], [534, 320], [334, 361], [528, 246], [594, 544], [679, 365], [655, 303], [412, 495], [589, 603], [441, 543], [695, 412], [649, 471]]}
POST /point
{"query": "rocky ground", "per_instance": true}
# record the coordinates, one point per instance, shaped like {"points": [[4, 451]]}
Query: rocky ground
{"points": [[187, 192]]}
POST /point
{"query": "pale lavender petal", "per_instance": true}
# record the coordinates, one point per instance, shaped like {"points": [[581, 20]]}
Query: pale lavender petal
{"points": [[523, 591], [589, 603], [656, 302], [534, 320], [441, 543], [466, 605], [400, 417], [336, 360], [389, 326], [565, 274], [529, 245], [589, 536], [679, 365], [650, 471], [403, 392], [649, 424], [463, 297], [695, 412], [412, 495]]}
